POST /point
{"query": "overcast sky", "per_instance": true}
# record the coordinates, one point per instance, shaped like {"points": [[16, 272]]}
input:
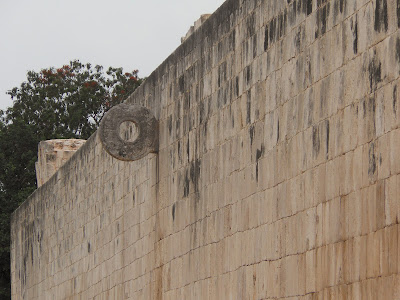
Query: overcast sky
{"points": [[131, 34]]}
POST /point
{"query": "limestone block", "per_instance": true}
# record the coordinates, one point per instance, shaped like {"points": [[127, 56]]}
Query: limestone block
{"points": [[52, 154]]}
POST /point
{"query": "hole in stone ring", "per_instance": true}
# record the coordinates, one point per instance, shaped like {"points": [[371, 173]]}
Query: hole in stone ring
{"points": [[128, 131]]}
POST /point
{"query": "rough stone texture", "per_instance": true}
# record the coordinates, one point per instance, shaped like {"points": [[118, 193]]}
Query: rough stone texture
{"points": [[277, 175], [52, 154], [127, 142], [195, 26]]}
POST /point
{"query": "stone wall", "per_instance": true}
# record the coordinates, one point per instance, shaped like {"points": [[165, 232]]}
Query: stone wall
{"points": [[277, 175], [52, 154]]}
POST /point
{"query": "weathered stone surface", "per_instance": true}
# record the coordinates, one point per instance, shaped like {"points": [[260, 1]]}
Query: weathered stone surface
{"points": [[277, 175], [195, 26], [129, 142], [52, 154]]}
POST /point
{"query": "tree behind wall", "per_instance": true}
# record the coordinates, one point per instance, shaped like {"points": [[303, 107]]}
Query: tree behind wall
{"points": [[66, 102]]}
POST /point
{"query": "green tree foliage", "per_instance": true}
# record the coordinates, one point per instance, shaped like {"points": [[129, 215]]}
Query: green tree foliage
{"points": [[66, 102]]}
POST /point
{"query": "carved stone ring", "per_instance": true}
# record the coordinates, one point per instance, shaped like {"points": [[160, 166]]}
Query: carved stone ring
{"points": [[129, 132]]}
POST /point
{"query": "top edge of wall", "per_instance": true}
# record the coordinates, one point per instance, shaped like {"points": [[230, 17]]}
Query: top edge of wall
{"points": [[204, 37], [90, 142]]}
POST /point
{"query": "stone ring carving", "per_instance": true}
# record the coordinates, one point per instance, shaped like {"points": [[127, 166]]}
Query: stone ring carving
{"points": [[124, 146]]}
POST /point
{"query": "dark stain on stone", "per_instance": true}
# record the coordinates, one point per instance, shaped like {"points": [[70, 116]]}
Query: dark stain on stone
{"points": [[297, 39], [186, 185], [398, 50], [188, 150], [316, 140], [292, 12], [251, 132], [259, 154], [381, 16], [32, 258], [375, 72], [88, 247], [266, 38], [237, 86], [371, 110], [395, 99], [173, 212], [372, 160], [186, 103], [220, 51], [201, 112], [341, 5], [179, 149], [282, 23], [248, 74], [308, 6], [322, 17], [327, 138], [169, 123], [364, 109], [398, 13], [250, 22], [195, 174], [257, 171], [299, 6], [205, 129], [254, 45], [24, 271], [275, 29], [248, 109], [272, 30], [335, 10], [221, 74], [354, 27], [182, 83], [246, 48], [277, 132], [232, 40]]}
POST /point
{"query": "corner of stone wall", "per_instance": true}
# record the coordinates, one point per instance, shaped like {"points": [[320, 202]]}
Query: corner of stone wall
{"points": [[52, 154]]}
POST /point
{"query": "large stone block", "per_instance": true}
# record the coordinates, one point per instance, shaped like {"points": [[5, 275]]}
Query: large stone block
{"points": [[52, 154]]}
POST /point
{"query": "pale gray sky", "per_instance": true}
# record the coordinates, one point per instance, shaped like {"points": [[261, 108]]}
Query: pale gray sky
{"points": [[131, 34]]}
